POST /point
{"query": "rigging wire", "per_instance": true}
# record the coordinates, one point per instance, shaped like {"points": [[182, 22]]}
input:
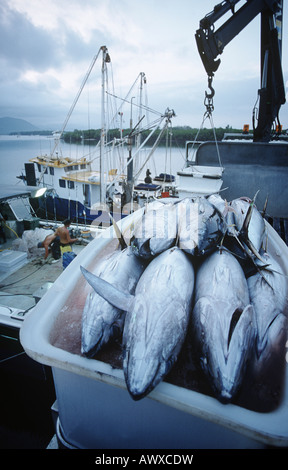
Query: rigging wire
{"points": [[153, 148], [216, 142], [208, 102], [76, 99], [124, 100], [139, 149], [117, 154], [12, 357]]}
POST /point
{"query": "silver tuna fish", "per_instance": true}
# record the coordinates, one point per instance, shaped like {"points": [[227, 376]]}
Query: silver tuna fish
{"points": [[269, 296], [156, 231], [156, 327], [200, 226], [156, 320], [100, 320], [223, 322], [217, 201], [249, 224], [245, 229]]}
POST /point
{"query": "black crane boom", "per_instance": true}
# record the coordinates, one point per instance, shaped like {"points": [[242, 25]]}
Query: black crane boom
{"points": [[211, 43]]}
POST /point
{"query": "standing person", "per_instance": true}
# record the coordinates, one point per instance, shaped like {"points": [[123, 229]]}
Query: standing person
{"points": [[64, 235]]}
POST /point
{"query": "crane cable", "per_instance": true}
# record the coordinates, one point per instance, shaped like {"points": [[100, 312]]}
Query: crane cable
{"points": [[208, 103]]}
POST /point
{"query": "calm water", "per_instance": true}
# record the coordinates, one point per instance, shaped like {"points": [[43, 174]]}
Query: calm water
{"points": [[15, 151]]}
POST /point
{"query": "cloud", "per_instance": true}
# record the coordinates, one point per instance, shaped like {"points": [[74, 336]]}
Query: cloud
{"points": [[24, 45], [48, 46], [82, 18]]}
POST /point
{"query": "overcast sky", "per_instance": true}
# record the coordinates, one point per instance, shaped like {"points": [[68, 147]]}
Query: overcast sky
{"points": [[48, 45]]}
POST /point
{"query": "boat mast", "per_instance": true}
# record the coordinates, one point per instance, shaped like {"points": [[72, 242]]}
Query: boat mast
{"points": [[105, 59], [142, 80]]}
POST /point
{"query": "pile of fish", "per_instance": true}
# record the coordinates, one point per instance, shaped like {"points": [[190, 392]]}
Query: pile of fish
{"points": [[199, 268]]}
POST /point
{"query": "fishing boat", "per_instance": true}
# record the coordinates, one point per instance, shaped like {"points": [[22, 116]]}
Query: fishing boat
{"points": [[106, 180], [173, 415]]}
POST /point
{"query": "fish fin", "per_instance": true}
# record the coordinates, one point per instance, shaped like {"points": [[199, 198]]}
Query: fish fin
{"points": [[110, 293], [241, 244], [241, 319], [244, 229], [276, 329], [265, 207], [254, 251], [118, 232], [266, 267], [247, 219]]}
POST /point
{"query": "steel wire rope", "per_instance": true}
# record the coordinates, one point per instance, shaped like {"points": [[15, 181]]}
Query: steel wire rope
{"points": [[139, 160], [177, 144], [216, 142], [139, 149], [199, 129], [208, 115], [147, 108], [153, 148], [12, 357]]}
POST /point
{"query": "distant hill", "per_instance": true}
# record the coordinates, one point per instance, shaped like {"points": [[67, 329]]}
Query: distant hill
{"points": [[9, 125]]}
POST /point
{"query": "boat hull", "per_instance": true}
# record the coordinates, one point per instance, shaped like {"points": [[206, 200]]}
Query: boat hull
{"points": [[56, 208], [251, 167]]}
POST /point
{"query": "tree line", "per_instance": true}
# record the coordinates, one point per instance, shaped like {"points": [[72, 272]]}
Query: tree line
{"points": [[177, 136], [44, 133]]}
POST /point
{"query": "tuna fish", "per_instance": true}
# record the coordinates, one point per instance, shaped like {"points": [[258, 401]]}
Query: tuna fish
{"points": [[249, 223], [223, 322], [217, 201], [200, 226], [156, 231], [100, 320], [270, 301], [245, 230], [156, 320]]}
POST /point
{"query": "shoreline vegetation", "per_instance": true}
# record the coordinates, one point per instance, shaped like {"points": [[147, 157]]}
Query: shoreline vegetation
{"points": [[177, 136]]}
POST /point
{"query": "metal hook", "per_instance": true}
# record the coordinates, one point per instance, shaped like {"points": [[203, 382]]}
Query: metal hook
{"points": [[208, 101], [210, 95]]}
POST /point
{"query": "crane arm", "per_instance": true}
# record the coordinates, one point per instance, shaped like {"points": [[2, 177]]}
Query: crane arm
{"points": [[211, 43]]}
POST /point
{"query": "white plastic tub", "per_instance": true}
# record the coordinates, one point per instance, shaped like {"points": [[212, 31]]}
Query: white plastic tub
{"points": [[95, 408]]}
